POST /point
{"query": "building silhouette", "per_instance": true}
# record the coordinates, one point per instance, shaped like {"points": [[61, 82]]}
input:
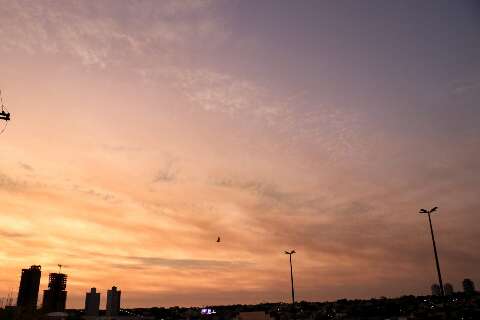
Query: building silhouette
{"points": [[436, 291], [28, 290], [448, 289], [113, 302], [92, 302], [253, 315], [468, 286], [55, 298]]}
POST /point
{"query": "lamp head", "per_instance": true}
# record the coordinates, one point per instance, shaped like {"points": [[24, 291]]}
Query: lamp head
{"points": [[423, 211]]}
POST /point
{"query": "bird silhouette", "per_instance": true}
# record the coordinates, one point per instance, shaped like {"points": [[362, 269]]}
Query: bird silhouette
{"points": [[218, 239]]}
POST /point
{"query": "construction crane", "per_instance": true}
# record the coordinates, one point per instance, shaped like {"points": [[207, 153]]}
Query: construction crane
{"points": [[60, 267]]}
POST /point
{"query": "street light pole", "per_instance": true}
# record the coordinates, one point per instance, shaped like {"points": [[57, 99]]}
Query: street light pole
{"points": [[428, 212], [291, 280]]}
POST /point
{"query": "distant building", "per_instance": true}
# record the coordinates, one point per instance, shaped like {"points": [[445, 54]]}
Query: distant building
{"points": [[436, 290], [55, 298], [468, 286], [113, 302], [28, 291], [253, 315], [56, 316], [448, 288], [92, 303]]}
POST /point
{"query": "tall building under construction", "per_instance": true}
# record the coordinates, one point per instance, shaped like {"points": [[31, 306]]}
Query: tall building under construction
{"points": [[28, 290], [55, 298]]}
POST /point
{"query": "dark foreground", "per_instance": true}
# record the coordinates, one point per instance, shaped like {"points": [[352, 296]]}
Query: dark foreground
{"points": [[457, 306]]}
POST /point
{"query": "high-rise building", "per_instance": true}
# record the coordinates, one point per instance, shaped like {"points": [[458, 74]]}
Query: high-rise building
{"points": [[92, 302], [436, 291], [468, 286], [28, 291], [55, 298], [448, 289], [113, 302]]}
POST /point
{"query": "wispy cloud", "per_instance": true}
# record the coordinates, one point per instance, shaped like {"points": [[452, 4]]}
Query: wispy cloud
{"points": [[220, 92], [12, 234], [9, 183], [169, 171], [26, 167], [97, 36], [257, 187], [106, 196], [188, 263], [120, 148], [154, 40], [465, 87]]}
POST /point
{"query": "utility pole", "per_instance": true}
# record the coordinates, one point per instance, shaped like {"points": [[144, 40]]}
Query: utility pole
{"points": [[290, 253], [428, 212]]}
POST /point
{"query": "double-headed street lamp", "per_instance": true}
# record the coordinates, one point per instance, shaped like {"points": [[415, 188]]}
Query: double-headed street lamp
{"points": [[428, 212], [290, 253]]}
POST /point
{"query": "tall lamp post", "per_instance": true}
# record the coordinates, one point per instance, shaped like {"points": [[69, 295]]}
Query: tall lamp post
{"points": [[290, 253], [428, 212]]}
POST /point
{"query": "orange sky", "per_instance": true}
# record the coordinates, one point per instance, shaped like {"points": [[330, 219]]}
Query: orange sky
{"points": [[136, 139]]}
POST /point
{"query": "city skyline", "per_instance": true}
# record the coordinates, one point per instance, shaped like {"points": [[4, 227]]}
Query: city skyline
{"points": [[30, 279], [142, 132]]}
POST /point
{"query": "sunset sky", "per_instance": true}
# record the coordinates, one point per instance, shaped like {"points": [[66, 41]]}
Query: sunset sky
{"points": [[142, 130]]}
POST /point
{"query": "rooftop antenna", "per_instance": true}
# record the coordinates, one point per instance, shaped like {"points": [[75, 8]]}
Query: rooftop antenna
{"points": [[60, 267], [9, 299], [4, 114]]}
